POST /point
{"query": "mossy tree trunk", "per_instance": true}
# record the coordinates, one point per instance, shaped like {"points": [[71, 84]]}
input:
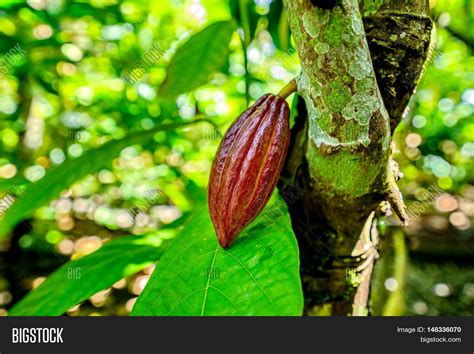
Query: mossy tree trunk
{"points": [[360, 65]]}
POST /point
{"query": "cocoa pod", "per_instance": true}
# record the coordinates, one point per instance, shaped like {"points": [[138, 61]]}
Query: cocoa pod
{"points": [[247, 166]]}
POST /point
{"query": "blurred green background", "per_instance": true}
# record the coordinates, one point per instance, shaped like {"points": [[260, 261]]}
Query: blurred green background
{"points": [[65, 89]]}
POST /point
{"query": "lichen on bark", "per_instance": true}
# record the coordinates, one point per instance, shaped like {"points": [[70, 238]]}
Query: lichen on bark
{"points": [[346, 114], [338, 82]]}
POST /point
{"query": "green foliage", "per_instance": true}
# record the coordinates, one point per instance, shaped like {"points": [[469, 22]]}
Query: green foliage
{"points": [[245, 13], [56, 180], [77, 280], [258, 275], [202, 54], [278, 26]]}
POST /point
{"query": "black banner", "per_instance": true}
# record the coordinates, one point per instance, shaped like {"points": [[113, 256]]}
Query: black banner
{"points": [[175, 334]]}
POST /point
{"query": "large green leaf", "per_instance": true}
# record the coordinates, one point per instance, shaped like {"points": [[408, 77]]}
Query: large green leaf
{"points": [[77, 280], [257, 276], [61, 177], [201, 55]]}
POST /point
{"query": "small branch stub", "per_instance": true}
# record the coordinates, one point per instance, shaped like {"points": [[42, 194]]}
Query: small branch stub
{"points": [[289, 88]]}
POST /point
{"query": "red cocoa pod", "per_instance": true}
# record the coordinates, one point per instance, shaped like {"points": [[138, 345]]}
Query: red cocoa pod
{"points": [[247, 166]]}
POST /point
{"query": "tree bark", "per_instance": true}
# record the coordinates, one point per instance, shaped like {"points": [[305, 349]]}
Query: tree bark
{"points": [[338, 170]]}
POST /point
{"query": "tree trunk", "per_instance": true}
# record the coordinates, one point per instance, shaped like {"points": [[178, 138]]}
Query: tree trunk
{"points": [[338, 170]]}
